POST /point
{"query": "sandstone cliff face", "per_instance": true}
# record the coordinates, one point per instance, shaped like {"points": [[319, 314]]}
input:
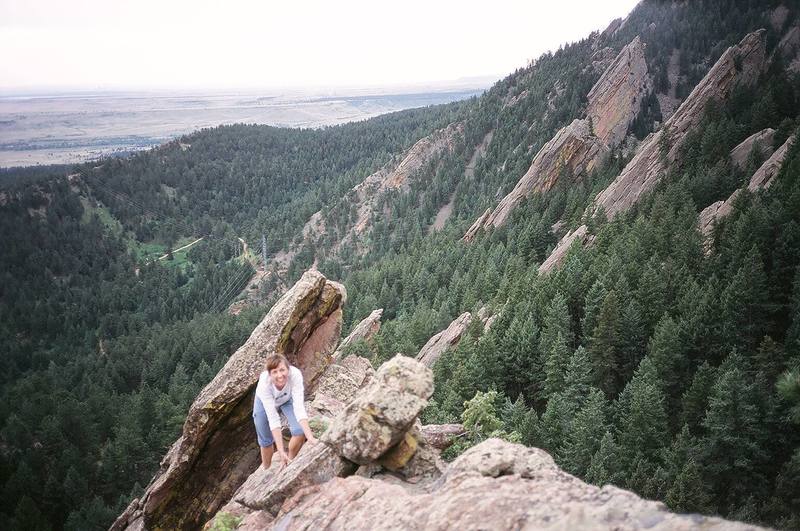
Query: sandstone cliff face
{"points": [[447, 338], [615, 98], [558, 254], [364, 331], [575, 150], [368, 194], [218, 436]]}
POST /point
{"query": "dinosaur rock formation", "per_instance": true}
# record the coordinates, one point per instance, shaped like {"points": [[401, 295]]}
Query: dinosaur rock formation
{"points": [[447, 338], [575, 150], [364, 330], [218, 435], [761, 179], [762, 139]]}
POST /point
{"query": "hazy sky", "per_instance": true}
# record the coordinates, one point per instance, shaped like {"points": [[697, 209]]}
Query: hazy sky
{"points": [[236, 43]]}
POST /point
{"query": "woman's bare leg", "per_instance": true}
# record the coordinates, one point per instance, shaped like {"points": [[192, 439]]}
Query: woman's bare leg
{"points": [[295, 443], [266, 455]]}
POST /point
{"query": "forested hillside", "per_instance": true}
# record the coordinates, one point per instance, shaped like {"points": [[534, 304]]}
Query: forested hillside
{"points": [[658, 356]]}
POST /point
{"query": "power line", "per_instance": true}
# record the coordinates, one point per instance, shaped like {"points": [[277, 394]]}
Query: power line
{"points": [[219, 303], [230, 287]]}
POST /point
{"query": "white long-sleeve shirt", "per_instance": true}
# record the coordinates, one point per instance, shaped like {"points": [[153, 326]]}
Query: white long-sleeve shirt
{"points": [[272, 398]]}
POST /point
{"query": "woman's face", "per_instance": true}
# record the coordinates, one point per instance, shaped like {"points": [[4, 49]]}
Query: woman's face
{"points": [[278, 375]]}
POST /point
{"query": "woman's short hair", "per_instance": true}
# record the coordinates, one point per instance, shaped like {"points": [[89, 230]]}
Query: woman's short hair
{"points": [[276, 359]]}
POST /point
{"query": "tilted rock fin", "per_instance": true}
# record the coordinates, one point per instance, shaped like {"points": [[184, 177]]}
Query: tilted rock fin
{"points": [[218, 436]]}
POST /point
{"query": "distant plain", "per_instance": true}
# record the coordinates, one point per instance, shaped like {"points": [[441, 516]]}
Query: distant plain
{"points": [[74, 127]]}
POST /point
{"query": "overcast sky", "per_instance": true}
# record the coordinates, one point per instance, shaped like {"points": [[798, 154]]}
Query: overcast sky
{"points": [[185, 44]]}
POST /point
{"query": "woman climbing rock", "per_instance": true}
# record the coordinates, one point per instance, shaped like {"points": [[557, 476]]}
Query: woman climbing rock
{"points": [[280, 386]]}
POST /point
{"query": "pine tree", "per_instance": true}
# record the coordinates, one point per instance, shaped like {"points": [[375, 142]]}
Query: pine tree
{"points": [[586, 432], [516, 416], [591, 309], [641, 411], [743, 305], [732, 450], [577, 380], [554, 425], [556, 321], [695, 400], [555, 367], [667, 352], [604, 467], [689, 493], [605, 343]]}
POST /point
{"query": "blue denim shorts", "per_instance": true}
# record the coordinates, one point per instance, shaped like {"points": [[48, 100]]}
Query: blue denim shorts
{"points": [[265, 438]]}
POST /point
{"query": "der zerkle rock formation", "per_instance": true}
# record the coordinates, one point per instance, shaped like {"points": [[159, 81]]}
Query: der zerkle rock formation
{"points": [[375, 466], [216, 451]]}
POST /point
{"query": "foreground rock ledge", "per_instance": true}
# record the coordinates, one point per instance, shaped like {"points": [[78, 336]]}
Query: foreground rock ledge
{"points": [[495, 485]]}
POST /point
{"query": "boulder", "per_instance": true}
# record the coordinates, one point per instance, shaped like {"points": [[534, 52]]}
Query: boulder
{"points": [[383, 412], [442, 436], [494, 485], [267, 489], [447, 338], [218, 438]]}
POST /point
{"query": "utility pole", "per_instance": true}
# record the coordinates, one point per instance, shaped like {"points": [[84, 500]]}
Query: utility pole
{"points": [[264, 249]]}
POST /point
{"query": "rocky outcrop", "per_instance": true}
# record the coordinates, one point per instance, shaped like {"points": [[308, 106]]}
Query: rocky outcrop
{"points": [[378, 429], [761, 179], [558, 254], [495, 485], [764, 175], [364, 331], [669, 102], [615, 99], [447, 338], [575, 150], [762, 140], [338, 385], [218, 439], [740, 64], [477, 226], [368, 194]]}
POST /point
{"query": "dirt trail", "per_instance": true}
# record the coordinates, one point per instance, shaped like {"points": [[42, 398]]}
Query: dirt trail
{"points": [[163, 257]]}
